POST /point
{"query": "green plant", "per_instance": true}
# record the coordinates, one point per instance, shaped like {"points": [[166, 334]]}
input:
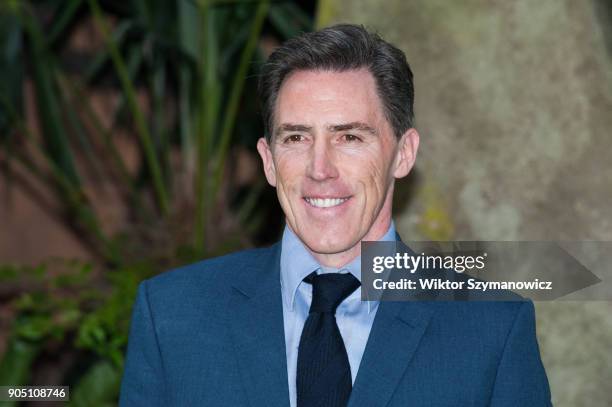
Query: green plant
{"points": [[178, 77]]}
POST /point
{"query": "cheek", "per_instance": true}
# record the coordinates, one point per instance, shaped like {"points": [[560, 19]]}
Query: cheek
{"points": [[370, 173], [377, 186], [288, 170]]}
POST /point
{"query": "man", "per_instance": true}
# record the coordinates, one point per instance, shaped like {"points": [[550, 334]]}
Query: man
{"points": [[285, 326]]}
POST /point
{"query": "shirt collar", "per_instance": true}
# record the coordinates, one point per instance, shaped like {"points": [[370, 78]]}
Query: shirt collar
{"points": [[296, 263]]}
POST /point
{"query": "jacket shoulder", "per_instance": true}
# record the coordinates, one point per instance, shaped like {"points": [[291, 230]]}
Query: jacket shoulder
{"points": [[484, 322], [208, 277]]}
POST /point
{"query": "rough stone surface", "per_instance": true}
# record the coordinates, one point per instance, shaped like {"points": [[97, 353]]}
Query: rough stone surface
{"points": [[514, 108]]}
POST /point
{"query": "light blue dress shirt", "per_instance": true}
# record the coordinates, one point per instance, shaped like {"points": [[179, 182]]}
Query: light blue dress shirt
{"points": [[354, 317]]}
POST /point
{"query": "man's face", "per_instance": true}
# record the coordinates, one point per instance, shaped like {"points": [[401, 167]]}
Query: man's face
{"points": [[333, 159]]}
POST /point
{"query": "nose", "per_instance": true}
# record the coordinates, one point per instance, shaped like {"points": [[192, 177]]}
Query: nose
{"points": [[322, 162]]}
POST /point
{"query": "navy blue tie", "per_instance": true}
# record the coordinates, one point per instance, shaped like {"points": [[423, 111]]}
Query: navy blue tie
{"points": [[323, 370]]}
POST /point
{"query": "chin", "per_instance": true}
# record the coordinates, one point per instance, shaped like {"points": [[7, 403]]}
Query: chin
{"points": [[329, 245]]}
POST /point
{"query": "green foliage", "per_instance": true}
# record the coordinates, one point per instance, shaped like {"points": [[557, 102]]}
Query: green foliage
{"points": [[98, 387], [67, 307], [181, 75], [15, 366]]}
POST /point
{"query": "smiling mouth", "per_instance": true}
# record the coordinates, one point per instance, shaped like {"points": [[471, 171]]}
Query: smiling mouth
{"points": [[325, 202]]}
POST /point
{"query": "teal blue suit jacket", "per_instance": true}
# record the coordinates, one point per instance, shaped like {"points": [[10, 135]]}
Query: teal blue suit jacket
{"points": [[211, 334]]}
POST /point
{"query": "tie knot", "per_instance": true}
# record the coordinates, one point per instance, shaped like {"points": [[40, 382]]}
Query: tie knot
{"points": [[330, 289]]}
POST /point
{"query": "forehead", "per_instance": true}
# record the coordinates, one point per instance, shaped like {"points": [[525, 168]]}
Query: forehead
{"points": [[311, 97]]}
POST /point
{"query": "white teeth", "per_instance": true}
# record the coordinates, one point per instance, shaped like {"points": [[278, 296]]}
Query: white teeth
{"points": [[325, 203]]}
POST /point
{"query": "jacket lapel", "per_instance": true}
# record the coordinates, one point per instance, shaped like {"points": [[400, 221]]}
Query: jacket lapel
{"points": [[256, 319], [395, 336]]}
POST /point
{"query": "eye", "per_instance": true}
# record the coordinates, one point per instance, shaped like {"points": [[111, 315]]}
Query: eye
{"points": [[351, 137], [293, 138]]}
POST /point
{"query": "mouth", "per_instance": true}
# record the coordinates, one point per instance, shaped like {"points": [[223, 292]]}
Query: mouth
{"points": [[325, 202]]}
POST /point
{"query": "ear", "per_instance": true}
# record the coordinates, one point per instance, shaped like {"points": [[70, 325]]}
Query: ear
{"points": [[406, 154], [268, 163]]}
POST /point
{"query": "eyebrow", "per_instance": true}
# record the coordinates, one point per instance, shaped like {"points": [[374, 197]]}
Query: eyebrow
{"points": [[352, 126], [289, 127]]}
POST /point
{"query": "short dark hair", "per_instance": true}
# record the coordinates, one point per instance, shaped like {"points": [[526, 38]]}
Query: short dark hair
{"points": [[340, 48]]}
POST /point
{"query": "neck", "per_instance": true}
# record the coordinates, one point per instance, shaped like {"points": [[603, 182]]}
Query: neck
{"points": [[341, 259]]}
